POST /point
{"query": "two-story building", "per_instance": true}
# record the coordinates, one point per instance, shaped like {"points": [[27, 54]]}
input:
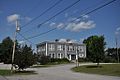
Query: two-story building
{"points": [[60, 50]]}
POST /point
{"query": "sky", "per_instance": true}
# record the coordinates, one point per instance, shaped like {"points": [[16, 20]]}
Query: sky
{"points": [[105, 21]]}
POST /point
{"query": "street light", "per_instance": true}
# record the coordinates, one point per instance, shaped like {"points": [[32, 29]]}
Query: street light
{"points": [[14, 44]]}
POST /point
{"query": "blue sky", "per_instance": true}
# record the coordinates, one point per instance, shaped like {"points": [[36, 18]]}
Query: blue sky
{"points": [[105, 21]]}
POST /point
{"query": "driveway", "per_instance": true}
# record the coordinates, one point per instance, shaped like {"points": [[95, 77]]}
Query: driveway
{"points": [[60, 72]]}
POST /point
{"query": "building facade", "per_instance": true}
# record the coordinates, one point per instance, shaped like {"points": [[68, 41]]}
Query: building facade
{"points": [[60, 50]]}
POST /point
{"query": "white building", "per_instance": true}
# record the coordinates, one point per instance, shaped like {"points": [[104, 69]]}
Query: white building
{"points": [[60, 50]]}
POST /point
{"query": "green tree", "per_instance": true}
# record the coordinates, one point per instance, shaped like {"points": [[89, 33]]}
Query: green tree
{"points": [[24, 58], [95, 48], [111, 55], [6, 50]]}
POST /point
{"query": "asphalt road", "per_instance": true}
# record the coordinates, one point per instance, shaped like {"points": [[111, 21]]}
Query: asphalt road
{"points": [[60, 72]]}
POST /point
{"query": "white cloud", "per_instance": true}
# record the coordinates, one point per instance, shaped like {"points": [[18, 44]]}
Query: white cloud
{"points": [[118, 29], [85, 16], [52, 24], [13, 18], [27, 18], [62, 40], [60, 25], [68, 40], [21, 42], [80, 26]]}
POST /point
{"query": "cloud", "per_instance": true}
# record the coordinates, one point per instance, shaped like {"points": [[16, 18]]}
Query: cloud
{"points": [[118, 29], [13, 18], [27, 18], [85, 16], [68, 40], [62, 40], [60, 25], [80, 26], [52, 24], [21, 42]]}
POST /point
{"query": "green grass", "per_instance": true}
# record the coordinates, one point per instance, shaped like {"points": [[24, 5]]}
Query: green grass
{"points": [[106, 69], [4, 72]]}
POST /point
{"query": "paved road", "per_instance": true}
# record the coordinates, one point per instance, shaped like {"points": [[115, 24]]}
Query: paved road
{"points": [[61, 72]]}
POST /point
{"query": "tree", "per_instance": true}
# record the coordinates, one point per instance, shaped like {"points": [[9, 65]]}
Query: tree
{"points": [[111, 55], [6, 50], [95, 48], [24, 58]]}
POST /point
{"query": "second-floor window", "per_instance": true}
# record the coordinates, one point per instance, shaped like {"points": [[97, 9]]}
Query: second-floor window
{"points": [[41, 48], [60, 47], [80, 49], [70, 48], [51, 47]]}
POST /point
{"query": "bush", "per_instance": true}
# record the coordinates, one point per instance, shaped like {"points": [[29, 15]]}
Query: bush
{"points": [[56, 60], [83, 60], [44, 59], [110, 60]]}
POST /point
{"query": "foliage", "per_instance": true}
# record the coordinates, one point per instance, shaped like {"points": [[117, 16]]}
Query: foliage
{"points": [[111, 55], [95, 48], [23, 54], [24, 57], [44, 59], [57, 60], [83, 60], [6, 50]]}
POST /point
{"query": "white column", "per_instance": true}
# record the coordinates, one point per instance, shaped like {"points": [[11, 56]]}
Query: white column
{"points": [[65, 51], [69, 56], [76, 56], [46, 49], [76, 52]]}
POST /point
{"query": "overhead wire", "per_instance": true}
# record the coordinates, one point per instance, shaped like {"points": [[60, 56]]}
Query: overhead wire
{"points": [[75, 19], [39, 25], [48, 9]]}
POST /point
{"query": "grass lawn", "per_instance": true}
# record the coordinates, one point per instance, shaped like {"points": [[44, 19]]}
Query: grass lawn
{"points": [[104, 69], [4, 72]]}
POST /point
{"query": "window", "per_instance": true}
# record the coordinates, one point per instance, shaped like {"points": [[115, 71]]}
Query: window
{"points": [[70, 48], [41, 48], [51, 47], [80, 48], [60, 47]]}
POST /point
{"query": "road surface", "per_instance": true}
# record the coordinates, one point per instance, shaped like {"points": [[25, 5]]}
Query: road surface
{"points": [[60, 72]]}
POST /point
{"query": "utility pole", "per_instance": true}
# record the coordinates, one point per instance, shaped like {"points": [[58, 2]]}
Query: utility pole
{"points": [[14, 44], [117, 48]]}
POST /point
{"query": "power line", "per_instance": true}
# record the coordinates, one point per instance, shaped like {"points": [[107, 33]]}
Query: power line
{"points": [[73, 20], [42, 13], [97, 8], [25, 38], [58, 13], [42, 33]]}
